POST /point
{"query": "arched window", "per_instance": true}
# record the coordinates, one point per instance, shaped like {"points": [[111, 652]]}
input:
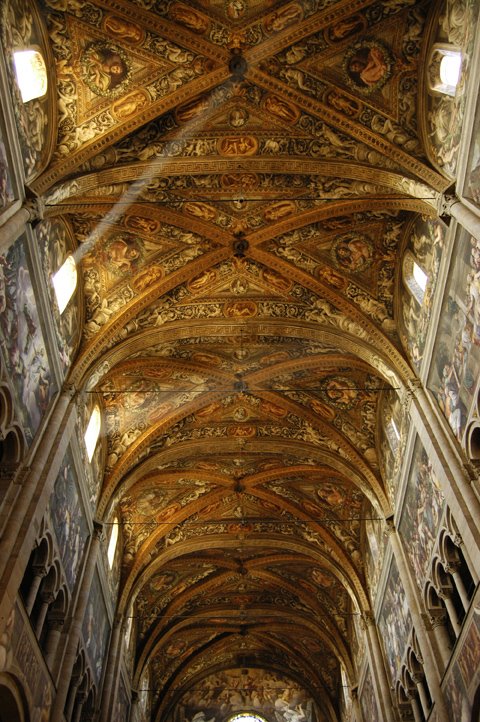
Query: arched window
{"points": [[246, 717], [415, 277], [444, 69], [112, 543], [31, 73], [93, 431], [65, 282]]}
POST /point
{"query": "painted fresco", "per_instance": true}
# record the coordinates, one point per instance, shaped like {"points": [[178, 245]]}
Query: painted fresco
{"points": [[456, 355], [68, 517], [393, 437], [357, 638], [456, 696], [368, 702], [266, 693], [96, 628], [456, 26], [6, 187], [23, 343], [426, 247], [464, 676], [394, 621], [472, 179], [377, 536], [20, 28], [55, 244], [122, 704], [422, 513]]}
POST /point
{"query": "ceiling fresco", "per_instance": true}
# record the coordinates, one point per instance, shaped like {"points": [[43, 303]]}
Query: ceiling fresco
{"points": [[238, 179]]}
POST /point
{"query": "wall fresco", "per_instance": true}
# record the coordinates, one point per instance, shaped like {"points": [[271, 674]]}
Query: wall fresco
{"points": [[426, 247], [394, 621], [468, 659], [472, 178], [456, 355], [393, 437], [368, 702], [68, 517], [377, 536], [23, 344], [96, 629], [421, 514], [6, 188], [122, 704], [266, 693], [456, 696]]}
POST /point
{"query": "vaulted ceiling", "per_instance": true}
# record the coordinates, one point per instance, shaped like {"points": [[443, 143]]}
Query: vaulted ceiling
{"points": [[239, 178]]}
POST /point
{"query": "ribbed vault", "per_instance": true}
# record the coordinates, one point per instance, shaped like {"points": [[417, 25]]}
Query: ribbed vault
{"points": [[238, 180]]}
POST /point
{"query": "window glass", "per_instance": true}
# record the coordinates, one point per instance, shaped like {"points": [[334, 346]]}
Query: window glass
{"points": [[93, 431], [112, 544], [31, 74], [65, 282]]}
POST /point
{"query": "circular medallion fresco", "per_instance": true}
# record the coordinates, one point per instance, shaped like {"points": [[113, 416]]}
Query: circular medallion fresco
{"points": [[106, 69], [352, 252], [339, 391], [368, 66]]}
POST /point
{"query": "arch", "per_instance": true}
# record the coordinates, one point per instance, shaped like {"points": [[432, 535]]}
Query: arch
{"points": [[13, 706]]}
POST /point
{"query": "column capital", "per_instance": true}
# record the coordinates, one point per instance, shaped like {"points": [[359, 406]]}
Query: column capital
{"points": [[390, 524], [35, 206], [445, 203], [69, 390], [367, 619], [98, 530]]}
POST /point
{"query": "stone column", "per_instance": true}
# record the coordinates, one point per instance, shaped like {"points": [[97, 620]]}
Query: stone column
{"points": [[418, 679], [72, 694], [430, 667], [31, 211], [55, 626], [80, 699], [47, 599], [112, 670], [452, 612], [439, 628], [452, 568], [377, 667], [454, 207], [40, 573], [417, 715], [76, 625]]}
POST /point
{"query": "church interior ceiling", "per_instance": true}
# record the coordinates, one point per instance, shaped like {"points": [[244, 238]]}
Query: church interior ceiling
{"points": [[238, 182]]}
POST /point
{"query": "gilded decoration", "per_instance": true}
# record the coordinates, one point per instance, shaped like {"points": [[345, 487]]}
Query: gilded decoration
{"points": [[241, 319]]}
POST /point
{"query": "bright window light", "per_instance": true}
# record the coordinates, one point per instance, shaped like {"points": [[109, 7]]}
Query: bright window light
{"points": [[31, 74], [65, 282], [93, 431], [450, 67], [420, 276], [112, 544], [395, 429]]}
